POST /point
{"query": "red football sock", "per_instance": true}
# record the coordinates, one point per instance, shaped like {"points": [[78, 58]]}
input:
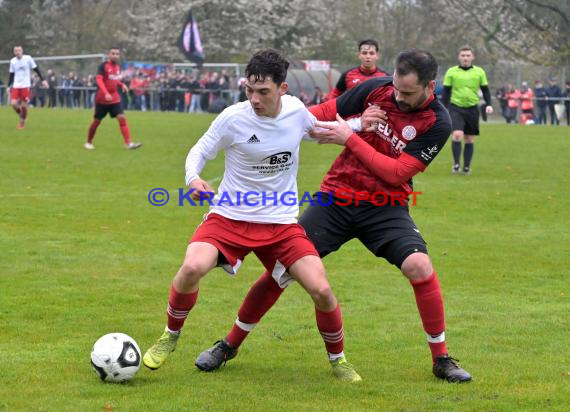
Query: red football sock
{"points": [[430, 306], [330, 327], [260, 298], [179, 305], [92, 129], [23, 112], [125, 130]]}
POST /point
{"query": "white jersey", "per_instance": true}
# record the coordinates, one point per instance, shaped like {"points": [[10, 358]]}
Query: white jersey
{"points": [[22, 69], [262, 158]]}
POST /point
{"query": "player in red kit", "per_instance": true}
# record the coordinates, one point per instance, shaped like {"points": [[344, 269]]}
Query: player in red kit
{"points": [[368, 54], [372, 163], [108, 100]]}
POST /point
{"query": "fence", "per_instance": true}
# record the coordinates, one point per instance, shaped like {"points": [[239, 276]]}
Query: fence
{"points": [[148, 99]]}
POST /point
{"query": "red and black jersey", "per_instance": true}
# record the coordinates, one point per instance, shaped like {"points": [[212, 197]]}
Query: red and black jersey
{"points": [[354, 77], [108, 82], [413, 139]]}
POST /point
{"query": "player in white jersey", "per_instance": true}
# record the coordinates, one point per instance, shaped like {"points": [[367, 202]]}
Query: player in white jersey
{"points": [[20, 82], [261, 140]]}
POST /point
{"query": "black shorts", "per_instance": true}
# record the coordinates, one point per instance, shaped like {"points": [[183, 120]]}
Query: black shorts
{"points": [[387, 231], [465, 118], [101, 110]]}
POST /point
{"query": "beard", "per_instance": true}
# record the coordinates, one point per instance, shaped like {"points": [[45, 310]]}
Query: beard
{"points": [[406, 107]]}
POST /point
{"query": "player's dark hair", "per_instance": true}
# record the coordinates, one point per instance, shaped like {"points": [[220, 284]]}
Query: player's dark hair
{"points": [[114, 48], [369, 42], [466, 47], [417, 61], [267, 63]]}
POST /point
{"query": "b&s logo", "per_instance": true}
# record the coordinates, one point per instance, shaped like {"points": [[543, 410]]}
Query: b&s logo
{"points": [[278, 158]]}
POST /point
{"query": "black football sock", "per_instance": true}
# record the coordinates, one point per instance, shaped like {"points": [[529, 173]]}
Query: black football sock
{"points": [[468, 155], [456, 150]]}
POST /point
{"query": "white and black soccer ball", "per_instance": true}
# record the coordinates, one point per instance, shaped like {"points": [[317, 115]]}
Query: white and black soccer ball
{"points": [[116, 357]]}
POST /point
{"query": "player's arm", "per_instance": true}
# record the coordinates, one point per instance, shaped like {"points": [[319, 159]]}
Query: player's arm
{"points": [[394, 171], [206, 148], [447, 83], [123, 86], [446, 96], [355, 124], [12, 74], [39, 73], [36, 68], [486, 92], [351, 103], [415, 158]]}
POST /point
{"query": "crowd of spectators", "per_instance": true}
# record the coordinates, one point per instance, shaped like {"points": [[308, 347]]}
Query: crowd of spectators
{"points": [[536, 105], [165, 90], [212, 91], [151, 89]]}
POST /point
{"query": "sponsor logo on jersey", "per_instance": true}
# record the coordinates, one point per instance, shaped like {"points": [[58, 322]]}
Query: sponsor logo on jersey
{"points": [[278, 158], [254, 139], [355, 80], [429, 153]]}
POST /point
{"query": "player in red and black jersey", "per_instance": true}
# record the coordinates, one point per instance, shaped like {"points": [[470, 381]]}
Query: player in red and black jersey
{"points": [[381, 162], [108, 100], [368, 54]]}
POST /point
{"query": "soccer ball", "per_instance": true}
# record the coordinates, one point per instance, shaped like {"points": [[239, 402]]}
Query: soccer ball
{"points": [[116, 357]]}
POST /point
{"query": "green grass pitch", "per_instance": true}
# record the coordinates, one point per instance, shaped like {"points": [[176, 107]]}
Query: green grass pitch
{"points": [[84, 253]]}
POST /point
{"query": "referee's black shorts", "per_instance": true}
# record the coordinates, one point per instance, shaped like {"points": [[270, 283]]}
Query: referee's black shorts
{"points": [[101, 110], [387, 231], [465, 118]]}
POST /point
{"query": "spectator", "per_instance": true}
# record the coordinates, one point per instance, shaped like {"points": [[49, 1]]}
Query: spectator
{"points": [[304, 97], [204, 82], [52, 88], [90, 82], [138, 84], [78, 85], [319, 96], [567, 102], [241, 85], [61, 84], [554, 93], [193, 88], [513, 96], [501, 96], [541, 103], [527, 106]]}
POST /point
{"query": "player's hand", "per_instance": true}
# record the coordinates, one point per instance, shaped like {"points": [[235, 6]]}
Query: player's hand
{"points": [[335, 133], [125, 88], [372, 117], [201, 186], [108, 97], [489, 109], [45, 84]]}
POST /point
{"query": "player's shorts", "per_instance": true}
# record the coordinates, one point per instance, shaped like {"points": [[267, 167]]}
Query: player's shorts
{"points": [[22, 94], [465, 118], [277, 246], [387, 231], [101, 110]]}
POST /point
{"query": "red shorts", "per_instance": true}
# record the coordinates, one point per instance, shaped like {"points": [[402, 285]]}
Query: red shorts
{"points": [[277, 246], [22, 94]]}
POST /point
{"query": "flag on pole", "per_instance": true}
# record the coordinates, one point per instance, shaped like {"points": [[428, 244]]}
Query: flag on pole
{"points": [[189, 41]]}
